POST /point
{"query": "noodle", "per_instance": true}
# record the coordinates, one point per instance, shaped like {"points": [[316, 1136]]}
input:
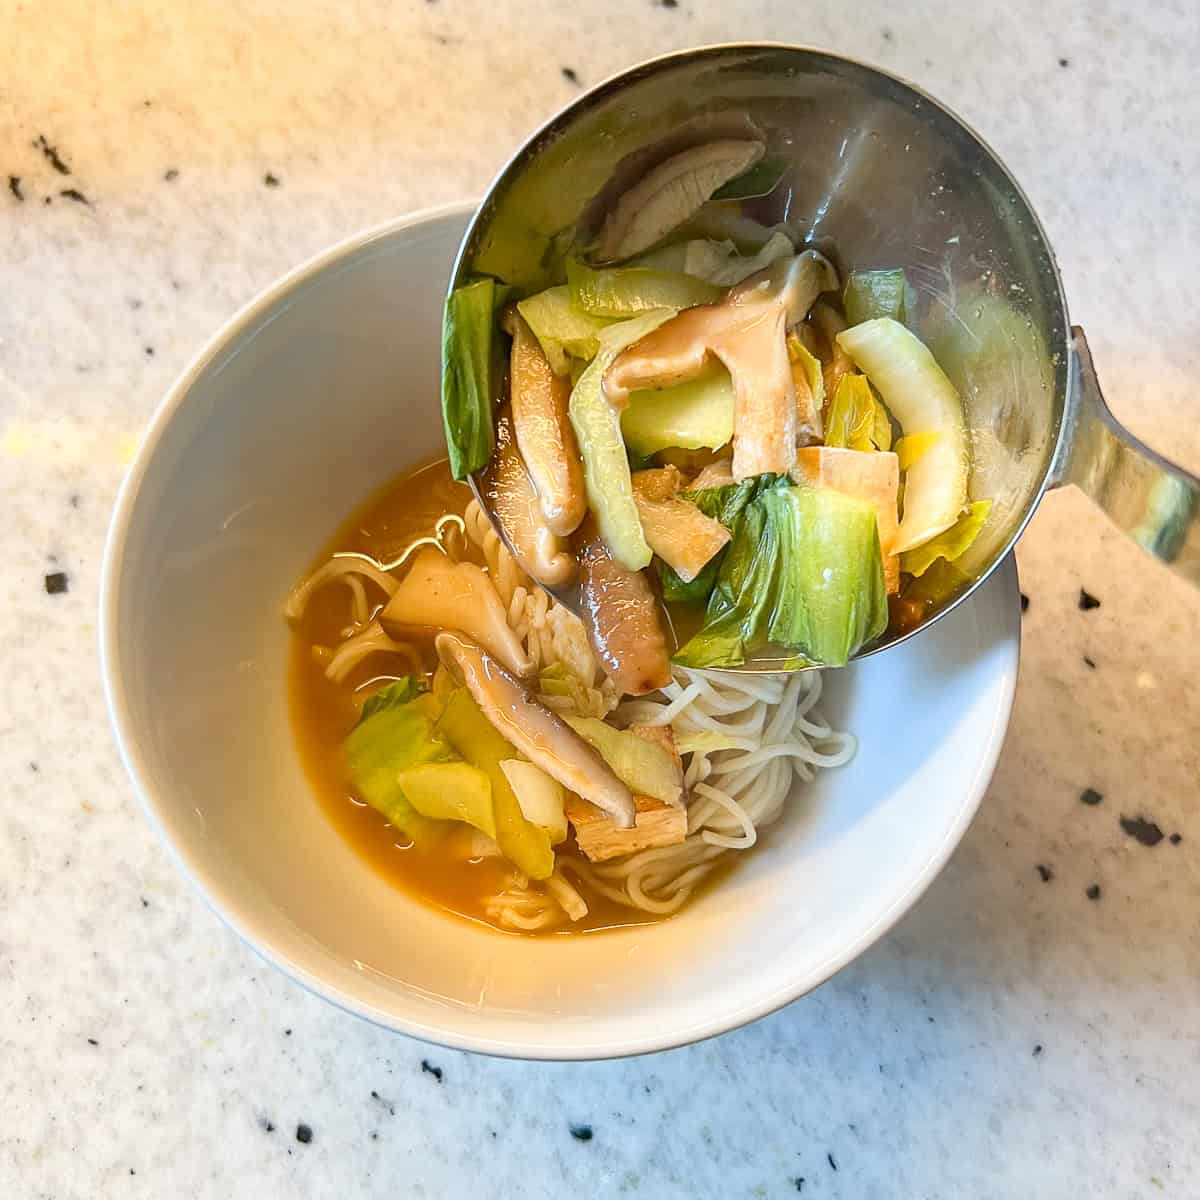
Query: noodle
{"points": [[745, 739]]}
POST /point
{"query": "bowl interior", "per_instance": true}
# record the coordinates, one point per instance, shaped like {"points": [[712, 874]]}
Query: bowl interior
{"points": [[320, 392]]}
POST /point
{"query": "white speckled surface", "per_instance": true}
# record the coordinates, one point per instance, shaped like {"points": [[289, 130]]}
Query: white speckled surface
{"points": [[1011, 1037]]}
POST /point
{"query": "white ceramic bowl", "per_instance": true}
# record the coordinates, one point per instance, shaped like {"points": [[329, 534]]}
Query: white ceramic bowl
{"points": [[320, 390]]}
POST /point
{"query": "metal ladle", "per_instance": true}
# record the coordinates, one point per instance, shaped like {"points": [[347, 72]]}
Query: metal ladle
{"points": [[882, 175]]}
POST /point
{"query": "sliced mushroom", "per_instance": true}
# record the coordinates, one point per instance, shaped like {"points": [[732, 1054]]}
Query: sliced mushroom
{"points": [[436, 593], [671, 193], [678, 532], [747, 333], [623, 620], [539, 553], [547, 442], [545, 739]]}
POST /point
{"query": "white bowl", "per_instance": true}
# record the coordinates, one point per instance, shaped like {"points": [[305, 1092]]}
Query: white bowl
{"points": [[315, 394]]}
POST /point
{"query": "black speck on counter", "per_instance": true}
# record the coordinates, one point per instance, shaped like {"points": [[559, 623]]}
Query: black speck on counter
{"points": [[287, 1033], [832, 1161], [265, 1125], [1087, 601], [1144, 831], [145, 902], [1045, 872], [1175, 839], [886, 34], [270, 180], [1064, 62], [34, 767], [303, 1134], [1090, 797], [52, 155], [14, 186], [73, 499], [582, 1133], [798, 1183], [149, 351], [1093, 891], [93, 1042], [386, 1103], [1089, 663], [76, 195], [669, 3], [569, 75], [57, 583], [1024, 602], [1037, 1049], [430, 1069], [171, 174]]}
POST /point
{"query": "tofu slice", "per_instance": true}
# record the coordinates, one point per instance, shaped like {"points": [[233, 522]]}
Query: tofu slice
{"points": [[656, 824]]}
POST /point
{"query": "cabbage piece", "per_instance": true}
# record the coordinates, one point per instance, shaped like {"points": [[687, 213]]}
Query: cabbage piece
{"points": [[923, 400], [542, 799], [644, 767], [472, 371], [718, 263], [622, 292], [912, 446], [871, 294], [850, 422], [474, 738], [597, 428], [951, 543], [562, 330], [450, 791], [395, 731], [809, 382], [690, 415], [703, 742]]}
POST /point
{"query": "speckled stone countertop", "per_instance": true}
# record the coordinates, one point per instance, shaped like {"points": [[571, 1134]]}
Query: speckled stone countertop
{"points": [[1031, 1028]]}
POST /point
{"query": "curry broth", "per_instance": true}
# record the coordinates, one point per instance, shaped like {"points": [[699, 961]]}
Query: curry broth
{"points": [[323, 713]]}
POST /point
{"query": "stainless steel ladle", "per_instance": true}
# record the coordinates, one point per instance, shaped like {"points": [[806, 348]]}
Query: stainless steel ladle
{"points": [[882, 175]]}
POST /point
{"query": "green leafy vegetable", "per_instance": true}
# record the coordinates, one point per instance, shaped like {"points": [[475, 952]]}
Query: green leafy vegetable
{"points": [[871, 294], [644, 767], [471, 374], [597, 428], [400, 691], [396, 734], [450, 791], [622, 292], [723, 504], [562, 330], [831, 598], [690, 415], [473, 736], [810, 369], [760, 180], [804, 570], [951, 544]]}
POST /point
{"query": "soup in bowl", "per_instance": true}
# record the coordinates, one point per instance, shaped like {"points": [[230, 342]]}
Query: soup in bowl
{"points": [[310, 429]]}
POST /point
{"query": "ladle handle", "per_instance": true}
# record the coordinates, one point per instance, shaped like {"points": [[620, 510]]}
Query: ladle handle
{"points": [[1151, 499]]}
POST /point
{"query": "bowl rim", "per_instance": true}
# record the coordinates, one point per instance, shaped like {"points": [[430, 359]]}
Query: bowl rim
{"points": [[233, 914]]}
